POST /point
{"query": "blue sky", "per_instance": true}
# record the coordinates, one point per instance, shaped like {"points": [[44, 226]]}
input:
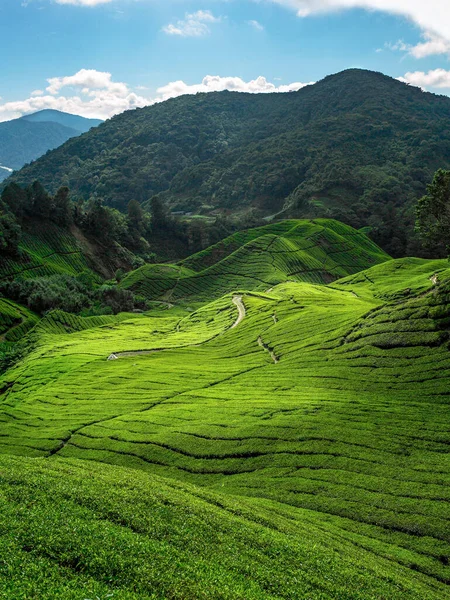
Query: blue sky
{"points": [[104, 56]]}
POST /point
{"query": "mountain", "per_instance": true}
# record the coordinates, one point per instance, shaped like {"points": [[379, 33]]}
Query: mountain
{"points": [[27, 138], [358, 146], [283, 442], [76, 122]]}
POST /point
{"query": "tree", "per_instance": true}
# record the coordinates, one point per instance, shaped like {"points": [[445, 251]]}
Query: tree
{"points": [[135, 215], [136, 226], [158, 212], [97, 218], [10, 233], [63, 214], [433, 214], [15, 199], [41, 203]]}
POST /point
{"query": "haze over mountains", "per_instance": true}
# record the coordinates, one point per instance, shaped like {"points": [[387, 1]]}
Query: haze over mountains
{"points": [[29, 137]]}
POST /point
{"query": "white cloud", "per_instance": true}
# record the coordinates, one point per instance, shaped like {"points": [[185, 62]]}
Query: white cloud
{"points": [[433, 44], [96, 95], [214, 83], [400, 45], [89, 81], [193, 25], [256, 25], [438, 78], [430, 15]]}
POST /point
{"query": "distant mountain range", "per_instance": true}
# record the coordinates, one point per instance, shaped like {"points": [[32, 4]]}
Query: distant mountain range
{"points": [[29, 137]]}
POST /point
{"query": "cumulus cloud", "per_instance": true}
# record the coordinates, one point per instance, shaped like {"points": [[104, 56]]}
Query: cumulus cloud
{"points": [[193, 25], [90, 81], [95, 94], [433, 44], [438, 78], [432, 15], [214, 83], [91, 94]]}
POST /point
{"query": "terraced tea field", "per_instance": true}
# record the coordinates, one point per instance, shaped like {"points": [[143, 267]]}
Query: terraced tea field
{"points": [[15, 320], [285, 442], [48, 250], [317, 251]]}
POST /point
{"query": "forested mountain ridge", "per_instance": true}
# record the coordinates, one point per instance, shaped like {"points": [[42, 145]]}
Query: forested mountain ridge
{"points": [[358, 146], [29, 137]]}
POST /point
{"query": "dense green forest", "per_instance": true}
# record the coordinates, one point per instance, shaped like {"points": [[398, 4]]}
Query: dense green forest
{"points": [[357, 146]]}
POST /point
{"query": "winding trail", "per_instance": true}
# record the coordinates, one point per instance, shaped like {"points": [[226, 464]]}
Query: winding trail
{"points": [[273, 356], [237, 300]]}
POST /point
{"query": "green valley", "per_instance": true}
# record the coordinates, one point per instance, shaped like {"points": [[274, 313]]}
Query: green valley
{"points": [[276, 426]]}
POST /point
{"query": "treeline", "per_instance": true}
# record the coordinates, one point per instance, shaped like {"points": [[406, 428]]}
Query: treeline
{"points": [[107, 225], [142, 229], [79, 295]]}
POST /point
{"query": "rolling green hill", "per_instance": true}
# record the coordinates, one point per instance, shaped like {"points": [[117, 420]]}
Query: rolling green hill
{"points": [[317, 251], [15, 320], [289, 442], [121, 533], [46, 249], [356, 146]]}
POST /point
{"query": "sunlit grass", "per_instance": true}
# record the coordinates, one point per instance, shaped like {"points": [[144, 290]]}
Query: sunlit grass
{"points": [[322, 475]]}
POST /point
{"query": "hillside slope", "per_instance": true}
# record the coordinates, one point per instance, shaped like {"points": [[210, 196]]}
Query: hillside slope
{"points": [[153, 538], [351, 144], [326, 406], [317, 251]]}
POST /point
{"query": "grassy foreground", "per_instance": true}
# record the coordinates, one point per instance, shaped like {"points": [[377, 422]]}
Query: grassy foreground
{"points": [[300, 454], [72, 529]]}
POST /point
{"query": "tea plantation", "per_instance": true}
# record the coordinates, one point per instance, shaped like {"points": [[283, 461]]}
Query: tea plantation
{"points": [[47, 250], [317, 251], [286, 439]]}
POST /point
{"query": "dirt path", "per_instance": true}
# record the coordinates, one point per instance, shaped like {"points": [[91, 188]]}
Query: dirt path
{"points": [[434, 279], [237, 300], [273, 356]]}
